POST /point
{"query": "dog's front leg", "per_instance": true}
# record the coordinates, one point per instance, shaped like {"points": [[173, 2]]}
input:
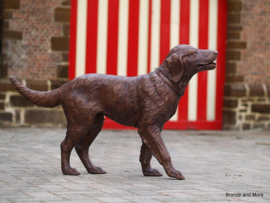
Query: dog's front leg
{"points": [[151, 137], [145, 158]]}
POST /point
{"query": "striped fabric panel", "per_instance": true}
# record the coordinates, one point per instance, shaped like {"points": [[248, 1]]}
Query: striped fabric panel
{"points": [[133, 37]]}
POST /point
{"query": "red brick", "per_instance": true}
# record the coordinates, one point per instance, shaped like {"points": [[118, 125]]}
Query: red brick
{"points": [[65, 57], [5, 56], [66, 30], [5, 45]]}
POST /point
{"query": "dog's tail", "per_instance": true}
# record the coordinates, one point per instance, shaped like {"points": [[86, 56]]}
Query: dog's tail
{"points": [[44, 99]]}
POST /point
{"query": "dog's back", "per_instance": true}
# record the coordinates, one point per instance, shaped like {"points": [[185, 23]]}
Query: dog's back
{"points": [[114, 96]]}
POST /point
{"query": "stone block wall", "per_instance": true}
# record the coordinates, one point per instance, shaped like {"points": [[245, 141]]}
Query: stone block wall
{"points": [[246, 107], [17, 111], [247, 88]]}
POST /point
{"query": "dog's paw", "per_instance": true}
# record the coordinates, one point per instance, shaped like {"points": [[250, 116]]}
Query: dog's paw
{"points": [[71, 171], [176, 174], [152, 172], [96, 170]]}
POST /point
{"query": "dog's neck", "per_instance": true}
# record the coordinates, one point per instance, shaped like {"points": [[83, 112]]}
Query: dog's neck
{"points": [[181, 84], [174, 87]]}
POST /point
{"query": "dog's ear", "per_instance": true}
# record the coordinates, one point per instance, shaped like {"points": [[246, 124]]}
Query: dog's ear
{"points": [[175, 66]]}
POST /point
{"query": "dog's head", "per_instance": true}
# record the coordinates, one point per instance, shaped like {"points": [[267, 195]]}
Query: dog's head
{"points": [[185, 60]]}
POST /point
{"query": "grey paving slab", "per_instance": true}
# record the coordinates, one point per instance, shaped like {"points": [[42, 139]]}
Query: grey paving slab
{"points": [[213, 162]]}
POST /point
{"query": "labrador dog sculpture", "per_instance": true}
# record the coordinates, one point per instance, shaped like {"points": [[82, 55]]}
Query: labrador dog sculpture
{"points": [[145, 102]]}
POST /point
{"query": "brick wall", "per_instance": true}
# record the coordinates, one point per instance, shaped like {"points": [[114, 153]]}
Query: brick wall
{"points": [[247, 88], [35, 39], [34, 50]]}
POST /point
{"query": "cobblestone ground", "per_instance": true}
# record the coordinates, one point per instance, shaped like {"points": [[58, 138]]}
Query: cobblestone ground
{"points": [[214, 163]]}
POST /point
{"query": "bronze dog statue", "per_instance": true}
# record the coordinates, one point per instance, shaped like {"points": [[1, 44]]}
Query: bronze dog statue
{"points": [[145, 102]]}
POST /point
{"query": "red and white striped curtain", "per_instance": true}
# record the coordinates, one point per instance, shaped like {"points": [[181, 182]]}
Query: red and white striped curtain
{"points": [[133, 37]]}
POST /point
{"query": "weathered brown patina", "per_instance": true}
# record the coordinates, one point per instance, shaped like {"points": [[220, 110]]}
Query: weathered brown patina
{"points": [[145, 102]]}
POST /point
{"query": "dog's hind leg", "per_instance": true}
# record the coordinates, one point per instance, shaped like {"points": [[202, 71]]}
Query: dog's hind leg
{"points": [[82, 147], [152, 138], [74, 134], [145, 158]]}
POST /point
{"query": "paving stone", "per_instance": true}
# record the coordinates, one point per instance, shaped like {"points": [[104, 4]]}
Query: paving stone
{"points": [[214, 163]]}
